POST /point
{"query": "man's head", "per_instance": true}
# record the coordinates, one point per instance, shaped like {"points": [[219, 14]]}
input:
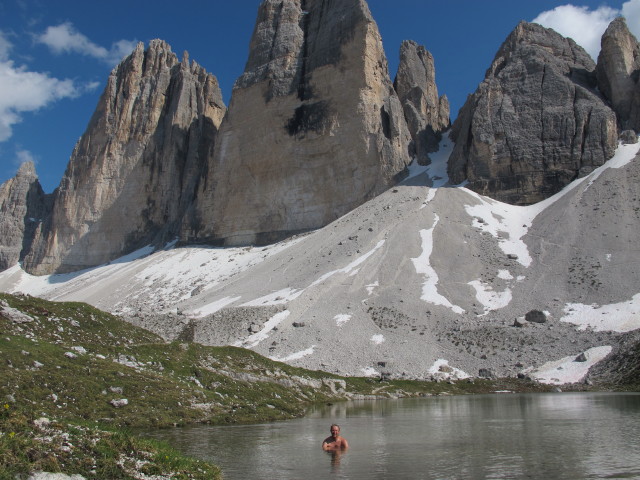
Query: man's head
{"points": [[335, 430]]}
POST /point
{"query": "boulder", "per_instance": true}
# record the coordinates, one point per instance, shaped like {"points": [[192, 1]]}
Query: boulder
{"points": [[535, 316], [535, 123], [486, 373], [628, 137], [426, 113], [581, 358], [618, 73]]}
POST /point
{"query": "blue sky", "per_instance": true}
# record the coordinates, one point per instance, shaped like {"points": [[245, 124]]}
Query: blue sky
{"points": [[56, 55]]}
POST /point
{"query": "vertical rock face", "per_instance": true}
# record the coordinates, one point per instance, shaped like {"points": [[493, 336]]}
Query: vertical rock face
{"points": [[23, 205], [314, 127], [134, 172], [427, 114], [618, 73], [535, 123]]}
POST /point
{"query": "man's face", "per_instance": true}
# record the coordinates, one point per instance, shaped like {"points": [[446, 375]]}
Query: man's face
{"points": [[335, 431]]}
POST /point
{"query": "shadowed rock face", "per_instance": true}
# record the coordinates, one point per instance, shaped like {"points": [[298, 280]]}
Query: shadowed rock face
{"points": [[427, 114], [134, 172], [618, 73], [23, 205], [314, 127], [535, 123]]}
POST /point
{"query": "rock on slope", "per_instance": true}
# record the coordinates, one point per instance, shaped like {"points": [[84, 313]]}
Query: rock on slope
{"points": [[23, 205], [314, 127], [427, 114], [133, 173], [535, 123], [618, 73]]}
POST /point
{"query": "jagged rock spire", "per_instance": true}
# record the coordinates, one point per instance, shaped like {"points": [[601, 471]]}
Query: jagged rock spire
{"points": [[23, 205], [618, 73], [314, 126], [133, 173], [427, 114]]}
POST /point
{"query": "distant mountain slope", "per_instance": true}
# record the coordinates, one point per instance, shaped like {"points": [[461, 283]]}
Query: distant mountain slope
{"points": [[412, 281]]}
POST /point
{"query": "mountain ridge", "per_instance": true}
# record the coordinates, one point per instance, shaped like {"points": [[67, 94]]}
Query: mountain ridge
{"points": [[315, 128]]}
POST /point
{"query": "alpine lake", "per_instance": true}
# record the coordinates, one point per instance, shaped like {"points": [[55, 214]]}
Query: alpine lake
{"points": [[494, 436]]}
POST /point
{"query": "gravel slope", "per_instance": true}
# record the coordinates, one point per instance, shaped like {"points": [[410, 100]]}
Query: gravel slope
{"points": [[417, 278]]}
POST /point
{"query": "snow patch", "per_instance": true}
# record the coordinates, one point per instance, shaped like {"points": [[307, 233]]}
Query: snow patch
{"points": [[253, 340], [351, 267], [296, 356], [567, 370], [422, 265], [615, 317], [507, 223], [371, 287], [505, 275], [490, 299], [370, 372], [436, 171], [442, 369], [276, 298], [341, 319], [213, 307], [163, 277]]}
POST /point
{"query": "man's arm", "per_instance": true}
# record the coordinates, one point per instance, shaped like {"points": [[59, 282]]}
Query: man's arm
{"points": [[328, 444]]}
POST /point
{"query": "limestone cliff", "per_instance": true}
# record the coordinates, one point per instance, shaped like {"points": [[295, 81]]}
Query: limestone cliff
{"points": [[535, 123], [427, 114], [23, 205], [618, 73], [314, 127], [134, 172]]}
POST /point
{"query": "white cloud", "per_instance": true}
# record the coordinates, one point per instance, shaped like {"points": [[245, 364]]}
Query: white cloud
{"points": [[631, 11], [64, 38], [579, 23], [22, 91]]}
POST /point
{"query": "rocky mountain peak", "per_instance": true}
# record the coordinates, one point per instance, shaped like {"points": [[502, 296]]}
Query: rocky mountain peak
{"points": [[535, 123], [546, 43], [618, 73], [427, 114], [133, 173], [314, 126], [27, 170], [23, 204]]}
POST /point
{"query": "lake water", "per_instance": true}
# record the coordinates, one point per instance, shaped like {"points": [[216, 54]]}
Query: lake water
{"points": [[500, 436]]}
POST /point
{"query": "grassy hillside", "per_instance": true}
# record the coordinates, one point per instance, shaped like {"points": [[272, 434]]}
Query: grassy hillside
{"points": [[73, 377]]}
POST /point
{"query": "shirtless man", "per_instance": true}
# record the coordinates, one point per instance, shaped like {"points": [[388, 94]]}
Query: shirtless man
{"points": [[335, 441]]}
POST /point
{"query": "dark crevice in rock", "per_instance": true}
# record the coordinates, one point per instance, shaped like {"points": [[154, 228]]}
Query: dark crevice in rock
{"points": [[385, 120], [303, 88], [309, 117]]}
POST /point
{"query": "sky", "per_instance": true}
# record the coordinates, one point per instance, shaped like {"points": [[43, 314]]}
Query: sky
{"points": [[56, 55]]}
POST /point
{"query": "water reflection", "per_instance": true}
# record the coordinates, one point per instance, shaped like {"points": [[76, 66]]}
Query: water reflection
{"points": [[559, 436], [335, 456]]}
